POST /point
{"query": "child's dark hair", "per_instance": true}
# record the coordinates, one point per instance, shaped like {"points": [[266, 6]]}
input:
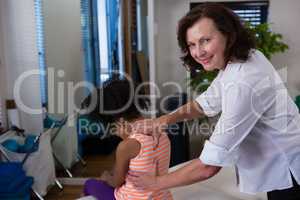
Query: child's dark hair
{"points": [[117, 99]]}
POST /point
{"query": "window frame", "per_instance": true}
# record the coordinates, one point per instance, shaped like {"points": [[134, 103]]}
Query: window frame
{"points": [[234, 5]]}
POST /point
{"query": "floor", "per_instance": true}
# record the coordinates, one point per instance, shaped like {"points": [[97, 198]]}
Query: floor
{"points": [[96, 164]]}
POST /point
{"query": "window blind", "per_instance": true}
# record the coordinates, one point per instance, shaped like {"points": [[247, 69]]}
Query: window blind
{"points": [[39, 18], [255, 12]]}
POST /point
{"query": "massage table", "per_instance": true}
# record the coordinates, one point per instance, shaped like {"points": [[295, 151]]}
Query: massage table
{"points": [[220, 187]]}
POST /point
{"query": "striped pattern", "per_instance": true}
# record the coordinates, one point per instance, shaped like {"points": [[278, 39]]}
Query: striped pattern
{"points": [[39, 20], [154, 158]]}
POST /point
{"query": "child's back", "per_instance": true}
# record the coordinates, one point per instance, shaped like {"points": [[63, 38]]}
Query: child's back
{"points": [[154, 159]]}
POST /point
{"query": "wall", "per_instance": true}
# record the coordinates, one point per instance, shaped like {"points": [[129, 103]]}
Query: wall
{"points": [[20, 55], [168, 64], [63, 48], [283, 14], [2, 75]]}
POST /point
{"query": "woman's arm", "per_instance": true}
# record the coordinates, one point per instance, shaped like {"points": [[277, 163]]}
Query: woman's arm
{"points": [[126, 150], [193, 172], [188, 111]]}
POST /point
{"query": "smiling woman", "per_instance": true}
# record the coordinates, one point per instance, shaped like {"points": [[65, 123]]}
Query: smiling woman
{"points": [[258, 132], [213, 36]]}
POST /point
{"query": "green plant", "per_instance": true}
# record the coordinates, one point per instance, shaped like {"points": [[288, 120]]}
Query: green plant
{"points": [[267, 42], [202, 80]]}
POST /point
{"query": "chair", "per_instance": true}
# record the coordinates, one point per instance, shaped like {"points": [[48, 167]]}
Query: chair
{"points": [[36, 159], [14, 183], [55, 126], [64, 146]]}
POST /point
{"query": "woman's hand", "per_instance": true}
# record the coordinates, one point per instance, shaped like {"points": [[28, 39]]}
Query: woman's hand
{"points": [[144, 181], [188, 111]]}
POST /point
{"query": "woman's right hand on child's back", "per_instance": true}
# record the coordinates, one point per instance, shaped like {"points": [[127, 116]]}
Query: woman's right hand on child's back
{"points": [[143, 181], [150, 126]]}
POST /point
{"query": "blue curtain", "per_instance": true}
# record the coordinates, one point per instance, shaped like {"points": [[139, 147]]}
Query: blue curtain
{"points": [[90, 41], [112, 9]]}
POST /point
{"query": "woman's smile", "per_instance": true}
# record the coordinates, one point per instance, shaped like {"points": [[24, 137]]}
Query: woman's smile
{"points": [[205, 61]]}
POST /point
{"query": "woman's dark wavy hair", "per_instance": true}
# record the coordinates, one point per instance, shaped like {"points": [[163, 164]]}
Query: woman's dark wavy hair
{"points": [[114, 94], [239, 40]]}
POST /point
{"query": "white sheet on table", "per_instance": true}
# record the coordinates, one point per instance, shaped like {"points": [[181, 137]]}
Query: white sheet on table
{"points": [[220, 187]]}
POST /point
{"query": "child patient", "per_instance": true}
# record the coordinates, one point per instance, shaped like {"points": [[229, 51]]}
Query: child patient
{"points": [[137, 153]]}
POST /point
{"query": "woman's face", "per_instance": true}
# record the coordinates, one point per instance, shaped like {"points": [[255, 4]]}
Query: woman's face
{"points": [[206, 44]]}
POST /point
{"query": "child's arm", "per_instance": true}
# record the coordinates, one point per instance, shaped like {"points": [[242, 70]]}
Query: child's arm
{"points": [[126, 150]]}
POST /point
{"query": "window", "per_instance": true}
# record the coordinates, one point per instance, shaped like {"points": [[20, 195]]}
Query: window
{"points": [[255, 12], [90, 43], [100, 39], [41, 49], [105, 53]]}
